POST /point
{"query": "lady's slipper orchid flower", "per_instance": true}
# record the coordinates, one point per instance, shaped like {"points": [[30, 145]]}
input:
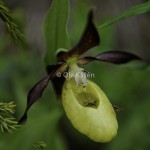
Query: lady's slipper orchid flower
{"points": [[85, 104]]}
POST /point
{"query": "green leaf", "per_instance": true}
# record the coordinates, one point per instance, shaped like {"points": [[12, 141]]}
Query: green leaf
{"points": [[55, 28], [135, 10]]}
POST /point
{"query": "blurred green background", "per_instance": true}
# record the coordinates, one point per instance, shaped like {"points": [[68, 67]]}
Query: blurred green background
{"points": [[125, 85]]}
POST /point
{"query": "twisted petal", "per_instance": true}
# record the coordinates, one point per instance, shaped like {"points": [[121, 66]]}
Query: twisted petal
{"points": [[37, 90], [34, 94], [89, 39], [115, 57]]}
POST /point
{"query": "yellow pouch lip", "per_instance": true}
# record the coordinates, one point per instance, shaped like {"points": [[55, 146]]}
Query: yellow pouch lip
{"points": [[98, 124]]}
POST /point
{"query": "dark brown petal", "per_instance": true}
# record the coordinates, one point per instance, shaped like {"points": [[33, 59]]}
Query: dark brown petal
{"points": [[89, 39], [58, 83], [34, 94], [58, 80], [37, 90], [115, 57], [58, 67]]}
